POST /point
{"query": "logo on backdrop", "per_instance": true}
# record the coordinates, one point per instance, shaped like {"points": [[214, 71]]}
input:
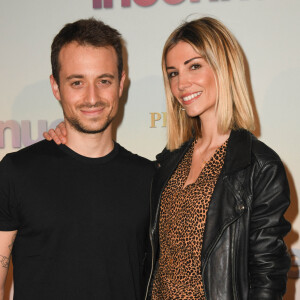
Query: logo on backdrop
{"points": [[158, 119], [21, 132], [143, 3]]}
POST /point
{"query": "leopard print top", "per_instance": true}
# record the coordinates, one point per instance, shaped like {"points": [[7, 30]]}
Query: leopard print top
{"points": [[181, 227]]}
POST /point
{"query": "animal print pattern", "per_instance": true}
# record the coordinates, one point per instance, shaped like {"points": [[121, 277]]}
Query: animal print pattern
{"points": [[181, 227]]}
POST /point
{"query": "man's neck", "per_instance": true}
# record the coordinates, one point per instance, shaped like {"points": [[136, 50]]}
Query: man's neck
{"points": [[90, 145]]}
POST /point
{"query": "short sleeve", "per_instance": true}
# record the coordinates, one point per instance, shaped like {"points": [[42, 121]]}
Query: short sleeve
{"points": [[8, 207]]}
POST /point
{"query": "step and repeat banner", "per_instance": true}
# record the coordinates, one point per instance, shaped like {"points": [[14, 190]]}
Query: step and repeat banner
{"points": [[268, 31]]}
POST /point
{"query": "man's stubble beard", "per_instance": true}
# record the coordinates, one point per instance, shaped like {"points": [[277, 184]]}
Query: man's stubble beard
{"points": [[77, 125]]}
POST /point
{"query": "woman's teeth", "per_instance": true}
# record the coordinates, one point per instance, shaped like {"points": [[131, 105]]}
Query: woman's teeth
{"points": [[192, 96]]}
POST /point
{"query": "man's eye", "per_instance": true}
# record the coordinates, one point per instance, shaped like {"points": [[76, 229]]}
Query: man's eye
{"points": [[76, 83], [195, 66], [172, 74], [105, 81]]}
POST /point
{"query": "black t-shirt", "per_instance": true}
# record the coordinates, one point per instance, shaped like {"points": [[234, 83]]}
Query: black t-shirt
{"points": [[82, 222]]}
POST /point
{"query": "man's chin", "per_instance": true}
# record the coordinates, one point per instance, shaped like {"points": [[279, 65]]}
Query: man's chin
{"points": [[89, 129]]}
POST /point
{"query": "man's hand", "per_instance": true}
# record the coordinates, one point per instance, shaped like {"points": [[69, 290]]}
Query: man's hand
{"points": [[59, 135]]}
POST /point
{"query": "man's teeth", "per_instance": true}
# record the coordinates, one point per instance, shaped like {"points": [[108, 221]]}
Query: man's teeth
{"points": [[190, 97]]}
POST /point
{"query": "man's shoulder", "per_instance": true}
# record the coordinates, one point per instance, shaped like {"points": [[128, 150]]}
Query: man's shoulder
{"points": [[34, 152], [135, 160]]}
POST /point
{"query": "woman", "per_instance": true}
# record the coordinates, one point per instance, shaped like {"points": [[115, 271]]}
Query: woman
{"points": [[219, 194]]}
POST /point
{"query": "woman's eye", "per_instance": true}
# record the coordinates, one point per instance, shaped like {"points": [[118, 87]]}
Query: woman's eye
{"points": [[195, 66], [172, 74]]}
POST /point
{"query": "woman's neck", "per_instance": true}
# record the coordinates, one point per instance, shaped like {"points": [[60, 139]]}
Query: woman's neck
{"points": [[211, 137]]}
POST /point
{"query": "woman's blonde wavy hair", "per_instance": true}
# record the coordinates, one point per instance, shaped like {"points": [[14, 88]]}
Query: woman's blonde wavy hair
{"points": [[216, 44]]}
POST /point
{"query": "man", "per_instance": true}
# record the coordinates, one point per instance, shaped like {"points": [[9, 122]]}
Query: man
{"points": [[76, 216]]}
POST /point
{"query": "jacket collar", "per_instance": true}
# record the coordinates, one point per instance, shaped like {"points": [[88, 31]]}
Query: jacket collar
{"points": [[238, 154]]}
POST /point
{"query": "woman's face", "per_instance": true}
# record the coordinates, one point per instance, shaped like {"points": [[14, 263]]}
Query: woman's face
{"points": [[192, 80]]}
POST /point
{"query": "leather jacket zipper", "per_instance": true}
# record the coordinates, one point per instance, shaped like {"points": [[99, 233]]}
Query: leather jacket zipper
{"points": [[214, 244], [152, 249], [233, 268], [242, 210]]}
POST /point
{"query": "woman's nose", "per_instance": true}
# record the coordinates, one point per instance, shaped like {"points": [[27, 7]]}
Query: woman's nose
{"points": [[183, 82]]}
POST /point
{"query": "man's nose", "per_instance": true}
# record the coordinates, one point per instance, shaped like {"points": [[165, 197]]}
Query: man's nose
{"points": [[91, 95]]}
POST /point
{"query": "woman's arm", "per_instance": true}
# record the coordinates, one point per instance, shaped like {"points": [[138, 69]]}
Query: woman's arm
{"points": [[59, 134], [269, 260]]}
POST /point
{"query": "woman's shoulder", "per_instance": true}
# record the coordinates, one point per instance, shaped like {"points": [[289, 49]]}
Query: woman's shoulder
{"points": [[247, 142], [262, 152], [244, 149]]}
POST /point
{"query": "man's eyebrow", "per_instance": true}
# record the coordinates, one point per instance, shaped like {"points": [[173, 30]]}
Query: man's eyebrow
{"points": [[105, 75], [186, 62], [74, 76], [79, 76]]}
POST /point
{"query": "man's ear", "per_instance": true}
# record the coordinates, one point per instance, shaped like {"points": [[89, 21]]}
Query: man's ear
{"points": [[122, 80], [55, 88]]}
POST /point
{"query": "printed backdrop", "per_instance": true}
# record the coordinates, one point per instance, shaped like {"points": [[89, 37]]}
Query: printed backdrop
{"points": [[268, 31]]}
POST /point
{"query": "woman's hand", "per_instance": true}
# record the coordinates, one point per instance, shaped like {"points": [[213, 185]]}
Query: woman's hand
{"points": [[59, 135]]}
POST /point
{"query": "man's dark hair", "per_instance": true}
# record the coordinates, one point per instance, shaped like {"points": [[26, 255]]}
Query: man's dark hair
{"points": [[86, 32]]}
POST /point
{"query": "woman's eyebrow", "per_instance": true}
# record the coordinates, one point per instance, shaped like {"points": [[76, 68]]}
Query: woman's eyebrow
{"points": [[189, 60], [186, 62]]}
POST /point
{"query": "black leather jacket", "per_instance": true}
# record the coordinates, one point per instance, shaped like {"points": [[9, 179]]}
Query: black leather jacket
{"points": [[243, 254]]}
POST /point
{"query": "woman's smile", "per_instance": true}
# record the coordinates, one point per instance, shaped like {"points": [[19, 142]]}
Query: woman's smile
{"points": [[191, 79], [187, 99]]}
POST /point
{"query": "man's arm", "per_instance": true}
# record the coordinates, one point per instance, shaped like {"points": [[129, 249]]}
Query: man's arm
{"points": [[7, 239]]}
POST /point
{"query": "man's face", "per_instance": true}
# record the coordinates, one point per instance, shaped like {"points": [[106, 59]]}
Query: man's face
{"points": [[89, 87]]}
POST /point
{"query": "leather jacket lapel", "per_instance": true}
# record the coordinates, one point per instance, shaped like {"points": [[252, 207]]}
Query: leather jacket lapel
{"points": [[227, 204]]}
